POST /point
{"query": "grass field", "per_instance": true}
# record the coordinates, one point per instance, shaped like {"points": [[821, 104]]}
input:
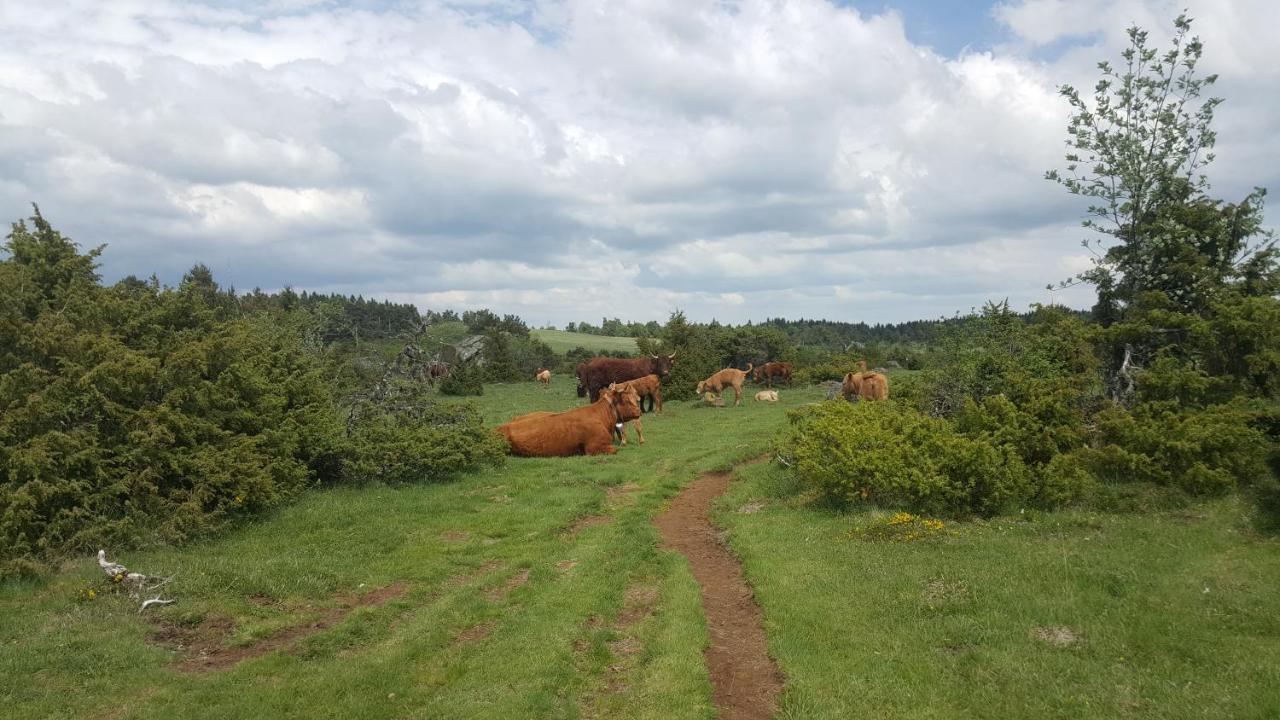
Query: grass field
{"points": [[537, 590], [562, 342]]}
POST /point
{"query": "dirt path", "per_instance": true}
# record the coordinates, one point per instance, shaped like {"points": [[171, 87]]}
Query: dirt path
{"points": [[746, 680]]}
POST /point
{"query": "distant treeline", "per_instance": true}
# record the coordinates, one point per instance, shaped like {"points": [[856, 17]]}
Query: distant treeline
{"points": [[827, 334]]}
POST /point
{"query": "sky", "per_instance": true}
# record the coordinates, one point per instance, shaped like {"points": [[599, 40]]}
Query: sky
{"points": [[566, 160]]}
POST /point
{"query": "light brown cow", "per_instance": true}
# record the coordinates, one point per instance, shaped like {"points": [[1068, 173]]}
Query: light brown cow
{"points": [[875, 386], [544, 376], [649, 386], [586, 430], [767, 395], [865, 385], [728, 377]]}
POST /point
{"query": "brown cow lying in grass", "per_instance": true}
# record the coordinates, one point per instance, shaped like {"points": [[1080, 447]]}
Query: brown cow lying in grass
{"points": [[771, 370], [544, 377], [728, 377], [865, 385], [586, 430]]}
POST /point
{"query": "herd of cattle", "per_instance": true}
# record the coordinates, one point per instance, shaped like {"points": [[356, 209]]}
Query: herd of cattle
{"points": [[617, 389]]}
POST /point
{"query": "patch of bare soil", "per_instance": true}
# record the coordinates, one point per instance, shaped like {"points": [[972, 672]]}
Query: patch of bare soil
{"points": [[502, 591], [474, 634], [745, 679], [637, 604], [621, 494], [589, 522], [203, 648], [455, 536], [1057, 636], [463, 578]]}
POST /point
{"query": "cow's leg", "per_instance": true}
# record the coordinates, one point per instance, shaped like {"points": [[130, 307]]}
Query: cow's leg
{"points": [[657, 394], [601, 445], [737, 395], [639, 430]]}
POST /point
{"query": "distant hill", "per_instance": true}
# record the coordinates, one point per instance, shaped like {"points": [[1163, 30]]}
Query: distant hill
{"points": [[562, 342]]}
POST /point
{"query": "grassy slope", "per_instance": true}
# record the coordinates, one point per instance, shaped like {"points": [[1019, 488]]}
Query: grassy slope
{"points": [[1177, 613], [562, 342], [551, 642], [855, 625]]}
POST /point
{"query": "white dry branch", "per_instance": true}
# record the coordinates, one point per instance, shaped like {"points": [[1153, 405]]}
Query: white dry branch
{"points": [[137, 583]]}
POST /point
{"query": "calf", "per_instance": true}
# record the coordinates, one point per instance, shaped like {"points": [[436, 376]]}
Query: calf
{"points": [[728, 377], [544, 376], [586, 430], [767, 395], [648, 386]]}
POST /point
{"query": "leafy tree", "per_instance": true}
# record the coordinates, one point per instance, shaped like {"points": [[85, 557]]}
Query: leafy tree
{"points": [[1169, 253]]}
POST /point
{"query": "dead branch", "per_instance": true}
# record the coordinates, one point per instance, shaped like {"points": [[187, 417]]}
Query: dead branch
{"points": [[137, 583]]}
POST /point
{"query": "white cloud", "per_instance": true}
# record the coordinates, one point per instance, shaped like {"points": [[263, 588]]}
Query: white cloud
{"points": [[568, 159]]}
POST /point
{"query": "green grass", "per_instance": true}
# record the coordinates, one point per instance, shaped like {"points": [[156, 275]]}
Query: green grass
{"points": [[1175, 614], [861, 629], [562, 342], [547, 653]]}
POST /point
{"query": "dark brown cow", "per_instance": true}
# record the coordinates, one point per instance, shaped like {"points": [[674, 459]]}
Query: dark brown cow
{"points": [[600, 372], [771, 370], [586, 430]]}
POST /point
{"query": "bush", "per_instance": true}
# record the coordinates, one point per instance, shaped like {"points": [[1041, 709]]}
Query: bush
{"points": [[892, 455], [138, 414], [1202, 452], [417, 440], [464, 379]]}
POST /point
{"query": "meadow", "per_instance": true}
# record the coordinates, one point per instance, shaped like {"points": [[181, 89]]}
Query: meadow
{"points": [[562, 341], [539, 590]]}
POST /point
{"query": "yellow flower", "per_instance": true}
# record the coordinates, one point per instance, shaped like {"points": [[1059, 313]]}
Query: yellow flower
{"points": [[118, 578], [239, 499]]}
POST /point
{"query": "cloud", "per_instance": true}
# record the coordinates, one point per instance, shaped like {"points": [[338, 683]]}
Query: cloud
{"points": [[572, 158]]}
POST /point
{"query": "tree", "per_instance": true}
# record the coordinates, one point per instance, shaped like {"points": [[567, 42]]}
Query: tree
{"points": [[1168, 251], [1138, 152]]}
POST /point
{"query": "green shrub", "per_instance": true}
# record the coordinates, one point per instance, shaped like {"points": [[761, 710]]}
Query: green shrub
{"points": [[464, 379], [823, 372], [141, 414], [1064, 480], [1202, 451], [421, 441], [892, 455]]}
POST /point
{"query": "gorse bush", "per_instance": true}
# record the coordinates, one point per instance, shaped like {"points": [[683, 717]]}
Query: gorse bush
{"points": [[144, 414]]}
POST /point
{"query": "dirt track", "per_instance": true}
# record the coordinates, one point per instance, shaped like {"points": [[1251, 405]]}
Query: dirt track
{"points": [[746, 681]]}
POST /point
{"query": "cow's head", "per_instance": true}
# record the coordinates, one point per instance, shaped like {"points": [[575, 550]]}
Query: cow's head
{"points": [[625, 400], [757, 373], [660, 365]]}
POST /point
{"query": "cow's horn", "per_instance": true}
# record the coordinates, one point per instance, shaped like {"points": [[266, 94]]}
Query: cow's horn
{"points": [[672, 356]]}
